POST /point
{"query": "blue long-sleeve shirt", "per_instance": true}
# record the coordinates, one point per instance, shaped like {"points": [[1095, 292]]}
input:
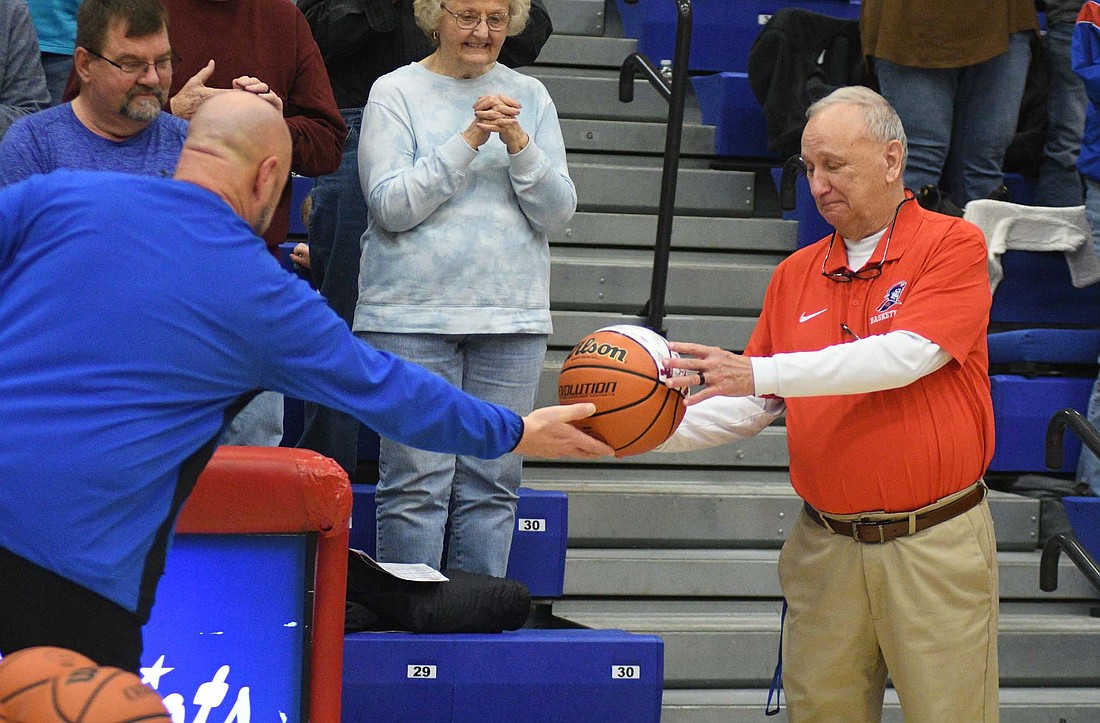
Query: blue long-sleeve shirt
{"points": [[136, 311]]}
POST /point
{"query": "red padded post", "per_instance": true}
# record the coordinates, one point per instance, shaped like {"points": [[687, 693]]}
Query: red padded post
{"points": [[278, 489]]}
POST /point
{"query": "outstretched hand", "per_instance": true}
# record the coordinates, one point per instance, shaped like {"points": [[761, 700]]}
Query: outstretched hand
{"points": [[717, 371], [547, 432]]}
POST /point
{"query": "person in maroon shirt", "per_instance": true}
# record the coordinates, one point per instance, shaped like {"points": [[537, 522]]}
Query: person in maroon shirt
{"points": [[219, 41]]}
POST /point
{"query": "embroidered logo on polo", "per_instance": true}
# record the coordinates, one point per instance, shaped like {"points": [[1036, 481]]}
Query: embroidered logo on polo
{"points": [[890, 299]]}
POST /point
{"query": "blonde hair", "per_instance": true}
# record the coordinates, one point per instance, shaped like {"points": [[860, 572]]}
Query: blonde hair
{"points": [[429, 14]]}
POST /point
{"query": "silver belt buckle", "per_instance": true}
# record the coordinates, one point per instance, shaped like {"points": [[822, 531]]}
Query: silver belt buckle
{"points": [[859, 524]]}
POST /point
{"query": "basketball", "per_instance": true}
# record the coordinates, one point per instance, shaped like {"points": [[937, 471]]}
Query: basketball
{"points": [[87, 694], [35, 667], [619, 369]]}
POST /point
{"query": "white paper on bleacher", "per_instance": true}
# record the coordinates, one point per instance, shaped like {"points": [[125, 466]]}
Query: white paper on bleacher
{"points": [[1013, 226], [411, 571]]}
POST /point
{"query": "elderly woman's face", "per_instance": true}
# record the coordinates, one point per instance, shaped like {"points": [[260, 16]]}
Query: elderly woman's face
{"points": [[472, 31]]}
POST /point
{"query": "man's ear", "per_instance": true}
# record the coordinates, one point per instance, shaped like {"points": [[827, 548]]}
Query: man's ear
{"points": [[82, 61], [893, 160], [269, 183]]}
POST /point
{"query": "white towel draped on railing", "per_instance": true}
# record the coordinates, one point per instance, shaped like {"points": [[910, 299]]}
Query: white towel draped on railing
{"points": [[1012, 226]]}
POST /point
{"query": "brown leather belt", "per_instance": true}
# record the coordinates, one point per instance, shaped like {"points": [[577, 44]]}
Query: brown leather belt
{"points": [[886, 530]]}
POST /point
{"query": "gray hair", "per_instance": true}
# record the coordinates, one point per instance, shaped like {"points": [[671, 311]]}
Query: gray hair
{"points": [[429, 14], [881, 120]]}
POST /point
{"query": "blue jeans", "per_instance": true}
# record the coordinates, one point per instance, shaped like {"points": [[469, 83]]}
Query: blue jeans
{"points": [[336, 225], [57, 67], [1059, 181], [259, 424], [959, 121], [1088, 467], [423, 497]]}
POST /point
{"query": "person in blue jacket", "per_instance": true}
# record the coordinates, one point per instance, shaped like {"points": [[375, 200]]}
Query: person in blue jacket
{"points": [[139, 314], [1085, 52]]}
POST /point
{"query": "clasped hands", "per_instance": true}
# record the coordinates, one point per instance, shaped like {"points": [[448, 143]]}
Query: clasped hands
{"points": [[496, 114]]}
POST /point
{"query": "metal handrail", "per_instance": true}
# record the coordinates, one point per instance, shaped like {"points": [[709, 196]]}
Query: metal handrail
{"points": [[1048, 564], [788, 182], [1055, 432], [637, 65], [674, 92]]}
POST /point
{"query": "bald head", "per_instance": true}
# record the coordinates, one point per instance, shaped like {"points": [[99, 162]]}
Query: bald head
{"points": [[238, 146], [240, 126]]}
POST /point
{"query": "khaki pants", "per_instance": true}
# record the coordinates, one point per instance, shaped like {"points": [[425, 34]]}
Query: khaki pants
{"points": [[923, 608]]}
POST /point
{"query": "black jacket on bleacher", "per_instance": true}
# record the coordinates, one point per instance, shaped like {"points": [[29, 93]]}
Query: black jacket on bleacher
{"points": [[799, 58]]}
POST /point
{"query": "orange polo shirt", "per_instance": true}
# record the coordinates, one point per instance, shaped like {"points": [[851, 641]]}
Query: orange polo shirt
{"points": [[899, 449]]}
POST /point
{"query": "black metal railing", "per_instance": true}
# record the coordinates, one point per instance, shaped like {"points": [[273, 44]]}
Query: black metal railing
{"points": [[1056, 432], [1048, 565], [788, 182], [673, 91]]}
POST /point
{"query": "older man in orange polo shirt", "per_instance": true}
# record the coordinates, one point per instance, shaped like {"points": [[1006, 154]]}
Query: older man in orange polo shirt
{"points": [[872, 342]]}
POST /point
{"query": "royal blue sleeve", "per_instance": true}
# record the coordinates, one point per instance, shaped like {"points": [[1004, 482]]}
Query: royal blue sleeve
{"points": [[313, 356]]}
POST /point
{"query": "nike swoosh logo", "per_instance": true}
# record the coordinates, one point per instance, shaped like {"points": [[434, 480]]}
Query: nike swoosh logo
{"points": [[807, 317]]}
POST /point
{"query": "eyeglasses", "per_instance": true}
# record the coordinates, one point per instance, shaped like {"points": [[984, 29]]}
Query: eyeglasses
{"points": [[163, 66], [469, 20], [869, 271]]}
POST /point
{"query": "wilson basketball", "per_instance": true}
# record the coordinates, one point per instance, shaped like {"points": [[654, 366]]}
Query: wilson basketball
{"points": [[619, 369], [88, 694]]}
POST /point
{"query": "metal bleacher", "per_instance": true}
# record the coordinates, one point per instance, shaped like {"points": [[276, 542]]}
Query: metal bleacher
{"points": [[684, 546]]}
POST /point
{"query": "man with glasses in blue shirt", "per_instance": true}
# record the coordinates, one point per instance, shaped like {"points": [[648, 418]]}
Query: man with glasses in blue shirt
{"points": [[117, 122]]}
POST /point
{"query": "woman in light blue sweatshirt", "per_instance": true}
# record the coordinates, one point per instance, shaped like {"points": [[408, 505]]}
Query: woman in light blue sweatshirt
{"points": [[463, 167]]}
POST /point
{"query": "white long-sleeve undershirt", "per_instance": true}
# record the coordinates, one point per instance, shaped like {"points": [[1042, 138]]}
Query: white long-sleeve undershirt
{"points": [[876, 363], [872, 364]]}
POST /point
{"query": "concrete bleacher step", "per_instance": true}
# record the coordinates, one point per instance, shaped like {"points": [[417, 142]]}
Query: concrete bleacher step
{"points": [[733, 643], [728, 332], [625, 510], [619, 136], [766, 450], [578, 17], [633, 185], [594, 94], [711, 233], [619, 280], [571, 50], [749, 573], [1018, 705]]}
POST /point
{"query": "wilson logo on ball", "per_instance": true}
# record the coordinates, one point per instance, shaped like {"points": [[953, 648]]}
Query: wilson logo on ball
{"points": [[592, 347]]}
